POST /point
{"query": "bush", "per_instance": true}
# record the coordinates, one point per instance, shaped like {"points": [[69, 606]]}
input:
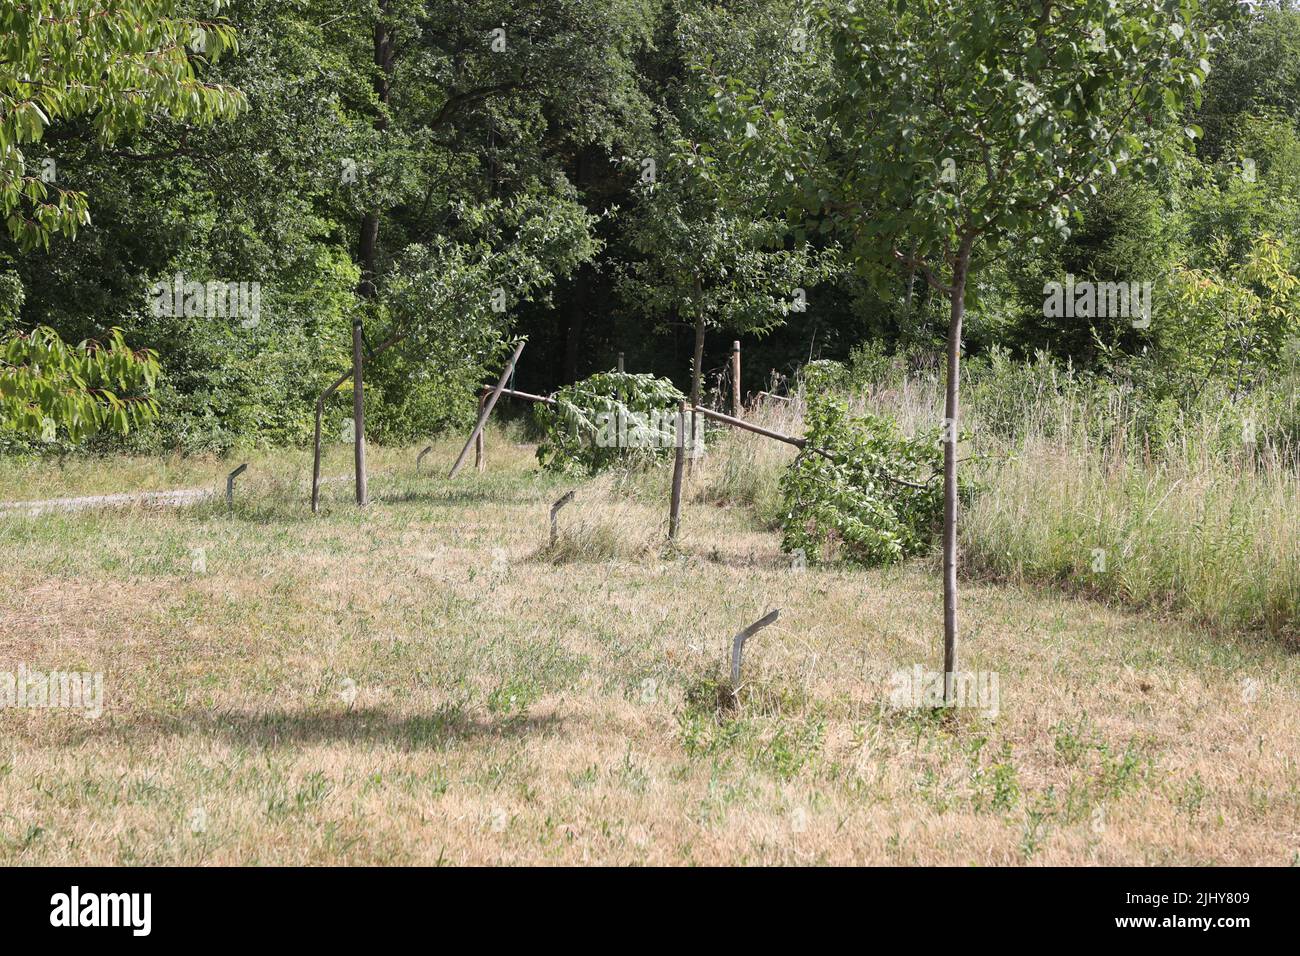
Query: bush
{"points": [[873, 498], [606, 419]]}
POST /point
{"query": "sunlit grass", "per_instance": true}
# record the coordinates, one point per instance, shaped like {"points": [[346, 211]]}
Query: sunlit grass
{"points": [[426, 681]]}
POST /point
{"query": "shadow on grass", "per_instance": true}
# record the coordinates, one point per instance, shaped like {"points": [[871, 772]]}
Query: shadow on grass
{"points": [[768, 561], [444, 727]]}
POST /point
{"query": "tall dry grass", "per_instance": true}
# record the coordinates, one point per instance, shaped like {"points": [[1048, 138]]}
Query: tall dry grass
{"points": [[1091, 487]]}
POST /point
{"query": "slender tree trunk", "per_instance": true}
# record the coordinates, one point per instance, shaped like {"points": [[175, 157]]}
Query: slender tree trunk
{"points": [[679, 455], [358, 416], [907, 292], [697, 370], [367, 256], [736, 410], [952, 418]]}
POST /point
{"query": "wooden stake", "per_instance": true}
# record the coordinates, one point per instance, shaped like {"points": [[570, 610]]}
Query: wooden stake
{"points": [[679, 460], [486, 409], [735, 380], [320, 410], [555, 514], [230, 485], [620, 363], [738, 643]]}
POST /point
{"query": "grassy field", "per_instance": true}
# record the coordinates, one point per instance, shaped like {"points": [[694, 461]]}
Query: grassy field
{"points": [[429, 682]]}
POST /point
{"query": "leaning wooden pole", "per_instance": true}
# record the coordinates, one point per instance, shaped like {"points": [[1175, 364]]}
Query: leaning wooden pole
{"points": [[756, 429], [704, 412], [515, 393], [486, 410], [679, 461]]}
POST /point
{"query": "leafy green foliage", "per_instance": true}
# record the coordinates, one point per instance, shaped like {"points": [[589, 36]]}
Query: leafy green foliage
{"points": [[46, 385], [732, 268], [119, 64], [520, 169], [989, 119], [583, 428], [451, 298], [871, 499], [1233, 324]]}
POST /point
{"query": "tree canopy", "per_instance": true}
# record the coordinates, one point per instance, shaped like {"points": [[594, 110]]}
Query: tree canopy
{"points": [[457, 174]]}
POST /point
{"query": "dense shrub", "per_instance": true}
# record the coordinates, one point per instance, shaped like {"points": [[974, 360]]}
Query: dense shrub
{"points": [[608, 418], [861, 492]]}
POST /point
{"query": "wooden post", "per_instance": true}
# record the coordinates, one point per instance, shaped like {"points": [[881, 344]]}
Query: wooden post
{"points": [[679, 460], [230, 485], [735, 379], [486, 409], [320, 410], [620, 363], [555, 514], [480, 452], [738, 643], [358, 414]]}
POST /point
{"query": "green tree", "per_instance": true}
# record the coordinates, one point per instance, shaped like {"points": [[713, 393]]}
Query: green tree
{"points": [[954, 127], [118, 66], [714, 265], [448, 107], [46, 385]]}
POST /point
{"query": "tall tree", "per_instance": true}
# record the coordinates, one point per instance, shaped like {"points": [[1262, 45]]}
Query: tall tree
{"points": [[950, 128], [714, 265], [458, 93]]}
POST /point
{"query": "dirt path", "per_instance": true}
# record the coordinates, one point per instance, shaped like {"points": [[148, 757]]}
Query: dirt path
{"points": [[173, 498]]}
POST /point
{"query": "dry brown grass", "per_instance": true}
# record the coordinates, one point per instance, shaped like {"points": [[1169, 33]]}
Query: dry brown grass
{"points": [[513, 708]]}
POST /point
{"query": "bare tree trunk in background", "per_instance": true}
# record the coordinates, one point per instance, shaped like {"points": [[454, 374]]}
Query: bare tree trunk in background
{"points": [[573, 338], [697, 370], [952, 408], [358, 416], [367, 255], [736, 409]]}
